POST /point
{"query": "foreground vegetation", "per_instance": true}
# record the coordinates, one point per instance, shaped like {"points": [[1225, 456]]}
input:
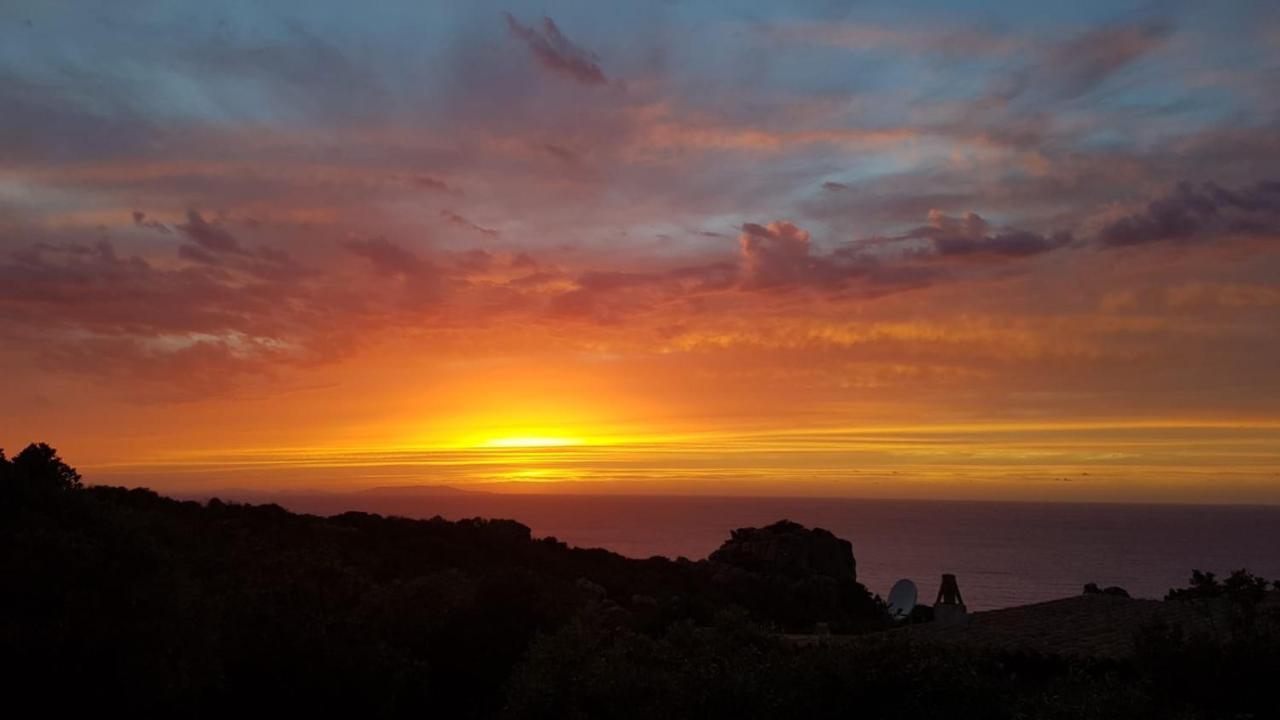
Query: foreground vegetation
{"points": [[125, 600]]}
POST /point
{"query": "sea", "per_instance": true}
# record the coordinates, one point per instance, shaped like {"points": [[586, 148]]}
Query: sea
{"points": [[1002, 553]]}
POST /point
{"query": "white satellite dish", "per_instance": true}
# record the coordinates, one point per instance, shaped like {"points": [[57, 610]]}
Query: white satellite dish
{"points": [[902, 599]]}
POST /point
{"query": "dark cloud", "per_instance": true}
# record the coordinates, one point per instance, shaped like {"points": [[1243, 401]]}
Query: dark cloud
{"points": [[601, 295], [773, 258], [211, 236], [386, 257], [456, 219], [1016, 243], [561, 153], [970, 236], [215, 246], [197, 254], [426, 182], [141, 220], [556, 53], [833, 186], [420, 281], [476, 260], [609, 296], [192, 330], [90, 309], [779, 257], [775, 255], [479, 261], [90, 286], [1191, 213]]}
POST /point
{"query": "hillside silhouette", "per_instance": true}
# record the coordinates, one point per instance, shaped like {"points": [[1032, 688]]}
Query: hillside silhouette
{"points": [[124, 599]]}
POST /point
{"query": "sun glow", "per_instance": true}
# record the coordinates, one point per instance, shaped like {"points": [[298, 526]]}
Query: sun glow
{"points": [[531, 442]]}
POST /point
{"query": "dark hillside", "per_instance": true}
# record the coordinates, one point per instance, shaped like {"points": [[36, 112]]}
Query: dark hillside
{"points": [[160, 604], [128, 602]]}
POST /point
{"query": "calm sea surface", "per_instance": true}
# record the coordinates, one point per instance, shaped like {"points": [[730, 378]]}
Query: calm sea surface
{"points": [[1002, 553]]}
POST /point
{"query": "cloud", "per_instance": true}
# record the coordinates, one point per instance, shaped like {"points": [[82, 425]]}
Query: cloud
{"points": [[386, 257], [426, 182], [561, 153], [779, 256], [92, 288], [86, 307], [774, 258], [1079, 65], [1190, 213], [211, 236], [556, 53], [456, 219], [476, 261], [215, 246], [610, 295], [970, 236], [419, 282], [141, 220], [775, 255], [197, 254]]}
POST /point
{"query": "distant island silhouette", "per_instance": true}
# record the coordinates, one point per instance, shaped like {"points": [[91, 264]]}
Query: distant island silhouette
{"points": [[124, 598], [423, 490]]}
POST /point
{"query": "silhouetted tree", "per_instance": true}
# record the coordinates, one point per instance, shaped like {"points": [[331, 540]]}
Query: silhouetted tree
{"points": [[38, 471], [1241, 586]]}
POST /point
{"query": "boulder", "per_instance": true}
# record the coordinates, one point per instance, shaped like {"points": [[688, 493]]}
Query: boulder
{"points": [[1115, 590]]}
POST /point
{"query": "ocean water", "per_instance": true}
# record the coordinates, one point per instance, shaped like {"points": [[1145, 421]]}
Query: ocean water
{"points": [[1003, 554]]}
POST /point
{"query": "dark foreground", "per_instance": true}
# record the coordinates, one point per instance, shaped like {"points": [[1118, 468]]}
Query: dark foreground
{"points": [[122, 600]]}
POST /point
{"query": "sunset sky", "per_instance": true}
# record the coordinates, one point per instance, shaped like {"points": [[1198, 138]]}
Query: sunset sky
{"points": [[993, 250]]}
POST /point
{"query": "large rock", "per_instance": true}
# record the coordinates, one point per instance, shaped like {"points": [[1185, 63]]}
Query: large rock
{"points": [[788, 548]]}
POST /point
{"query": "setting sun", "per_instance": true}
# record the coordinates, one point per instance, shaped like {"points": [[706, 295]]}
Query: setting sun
{"points": [[531, 442]]}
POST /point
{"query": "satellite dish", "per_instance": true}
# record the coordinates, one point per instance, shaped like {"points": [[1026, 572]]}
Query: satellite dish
{"points": [[902, 599]]}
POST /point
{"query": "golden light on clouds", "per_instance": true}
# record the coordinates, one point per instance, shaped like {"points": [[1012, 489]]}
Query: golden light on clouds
{"points": [[647, 277], [1114, 461]]}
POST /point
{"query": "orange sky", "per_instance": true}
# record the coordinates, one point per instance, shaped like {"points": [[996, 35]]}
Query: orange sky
{"points": [[654, 249]]}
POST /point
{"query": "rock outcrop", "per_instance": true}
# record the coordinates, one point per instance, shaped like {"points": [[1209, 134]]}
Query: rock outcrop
{"points": [[1093, 589], [790, 549], [797, 577]]}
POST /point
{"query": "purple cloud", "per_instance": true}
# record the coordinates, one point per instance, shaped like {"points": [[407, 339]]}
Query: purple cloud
{"points": [[1190, 213]]}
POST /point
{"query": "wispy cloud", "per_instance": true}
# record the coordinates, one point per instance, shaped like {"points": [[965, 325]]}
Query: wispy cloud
{"points": [[456, 219], [556, 53]]}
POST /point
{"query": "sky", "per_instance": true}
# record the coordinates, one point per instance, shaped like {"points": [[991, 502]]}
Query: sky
{"points": [[998, 250]]}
